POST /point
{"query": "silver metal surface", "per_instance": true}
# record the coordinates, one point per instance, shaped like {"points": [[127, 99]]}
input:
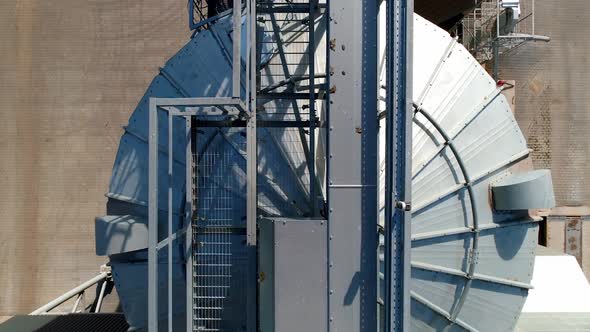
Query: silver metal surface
{"points": [[79, 290], [293, 275], [152, 314], [119, 234], [190, 187], [398, 146], [352, 148], [524, 191], [252, 173], [471, 265], [237, 40]]}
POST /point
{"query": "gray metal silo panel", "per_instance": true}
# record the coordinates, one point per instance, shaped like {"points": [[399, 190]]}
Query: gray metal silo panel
{"points": [[523, 191], [293, 275], [471, 264], [119, 234]]}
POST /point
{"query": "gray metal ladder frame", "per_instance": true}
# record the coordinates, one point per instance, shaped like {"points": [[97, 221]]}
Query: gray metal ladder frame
{"points": [[184, 107]]}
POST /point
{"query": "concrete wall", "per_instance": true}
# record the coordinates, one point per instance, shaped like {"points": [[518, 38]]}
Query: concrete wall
{"points": [[553, 109], [71, 71], [553, 102]]}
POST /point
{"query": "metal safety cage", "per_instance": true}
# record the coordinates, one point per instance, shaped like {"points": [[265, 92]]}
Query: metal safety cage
{"points": [[204, 12], [497, 27], [235, 107], [190, 109], [293, 82]]}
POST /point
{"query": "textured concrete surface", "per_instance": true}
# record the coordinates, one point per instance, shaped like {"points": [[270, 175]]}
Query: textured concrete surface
{"points": [[553, 108], [552, 99], [71, 71]]}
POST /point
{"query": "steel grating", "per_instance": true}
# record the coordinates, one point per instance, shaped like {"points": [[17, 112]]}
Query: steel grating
{"points": [[219, 237]]}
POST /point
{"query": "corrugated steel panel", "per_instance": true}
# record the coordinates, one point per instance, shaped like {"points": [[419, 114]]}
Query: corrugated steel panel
{"points": [[462, 100]]}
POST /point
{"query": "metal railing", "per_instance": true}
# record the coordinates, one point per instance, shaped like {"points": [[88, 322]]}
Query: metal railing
{"points": [[496, 27], [101, 280]]}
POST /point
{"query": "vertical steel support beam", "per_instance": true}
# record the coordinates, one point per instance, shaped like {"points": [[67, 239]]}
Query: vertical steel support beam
{"points": [[153, 219], [237, 46], [188, 217], [170, 193], [313, 6], [252, 171], [398, 164], [496, 63], [352, 169]]}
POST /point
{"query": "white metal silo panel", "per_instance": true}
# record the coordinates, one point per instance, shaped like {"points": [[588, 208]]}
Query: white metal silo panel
{"points": [[454, 77], [445, 215], [492, 140], [445, 251], [453, 241], [436, 179], [438, 288], [505, 252], [491, 307], [427, 320], [431, 47]]}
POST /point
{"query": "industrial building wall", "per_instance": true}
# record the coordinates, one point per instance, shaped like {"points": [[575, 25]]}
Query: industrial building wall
{"points": [[553, 109], [553, 101], [71, 71]]}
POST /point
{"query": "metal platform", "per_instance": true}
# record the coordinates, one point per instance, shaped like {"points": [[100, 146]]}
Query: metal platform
{"points": [[66, 323]]}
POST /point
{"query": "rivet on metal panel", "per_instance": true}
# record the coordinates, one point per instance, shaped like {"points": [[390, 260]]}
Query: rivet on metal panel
{"points": [[333, 44]]}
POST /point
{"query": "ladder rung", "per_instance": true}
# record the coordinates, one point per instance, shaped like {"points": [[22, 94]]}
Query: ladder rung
{"points": [[212, 275], [222, 265]]}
